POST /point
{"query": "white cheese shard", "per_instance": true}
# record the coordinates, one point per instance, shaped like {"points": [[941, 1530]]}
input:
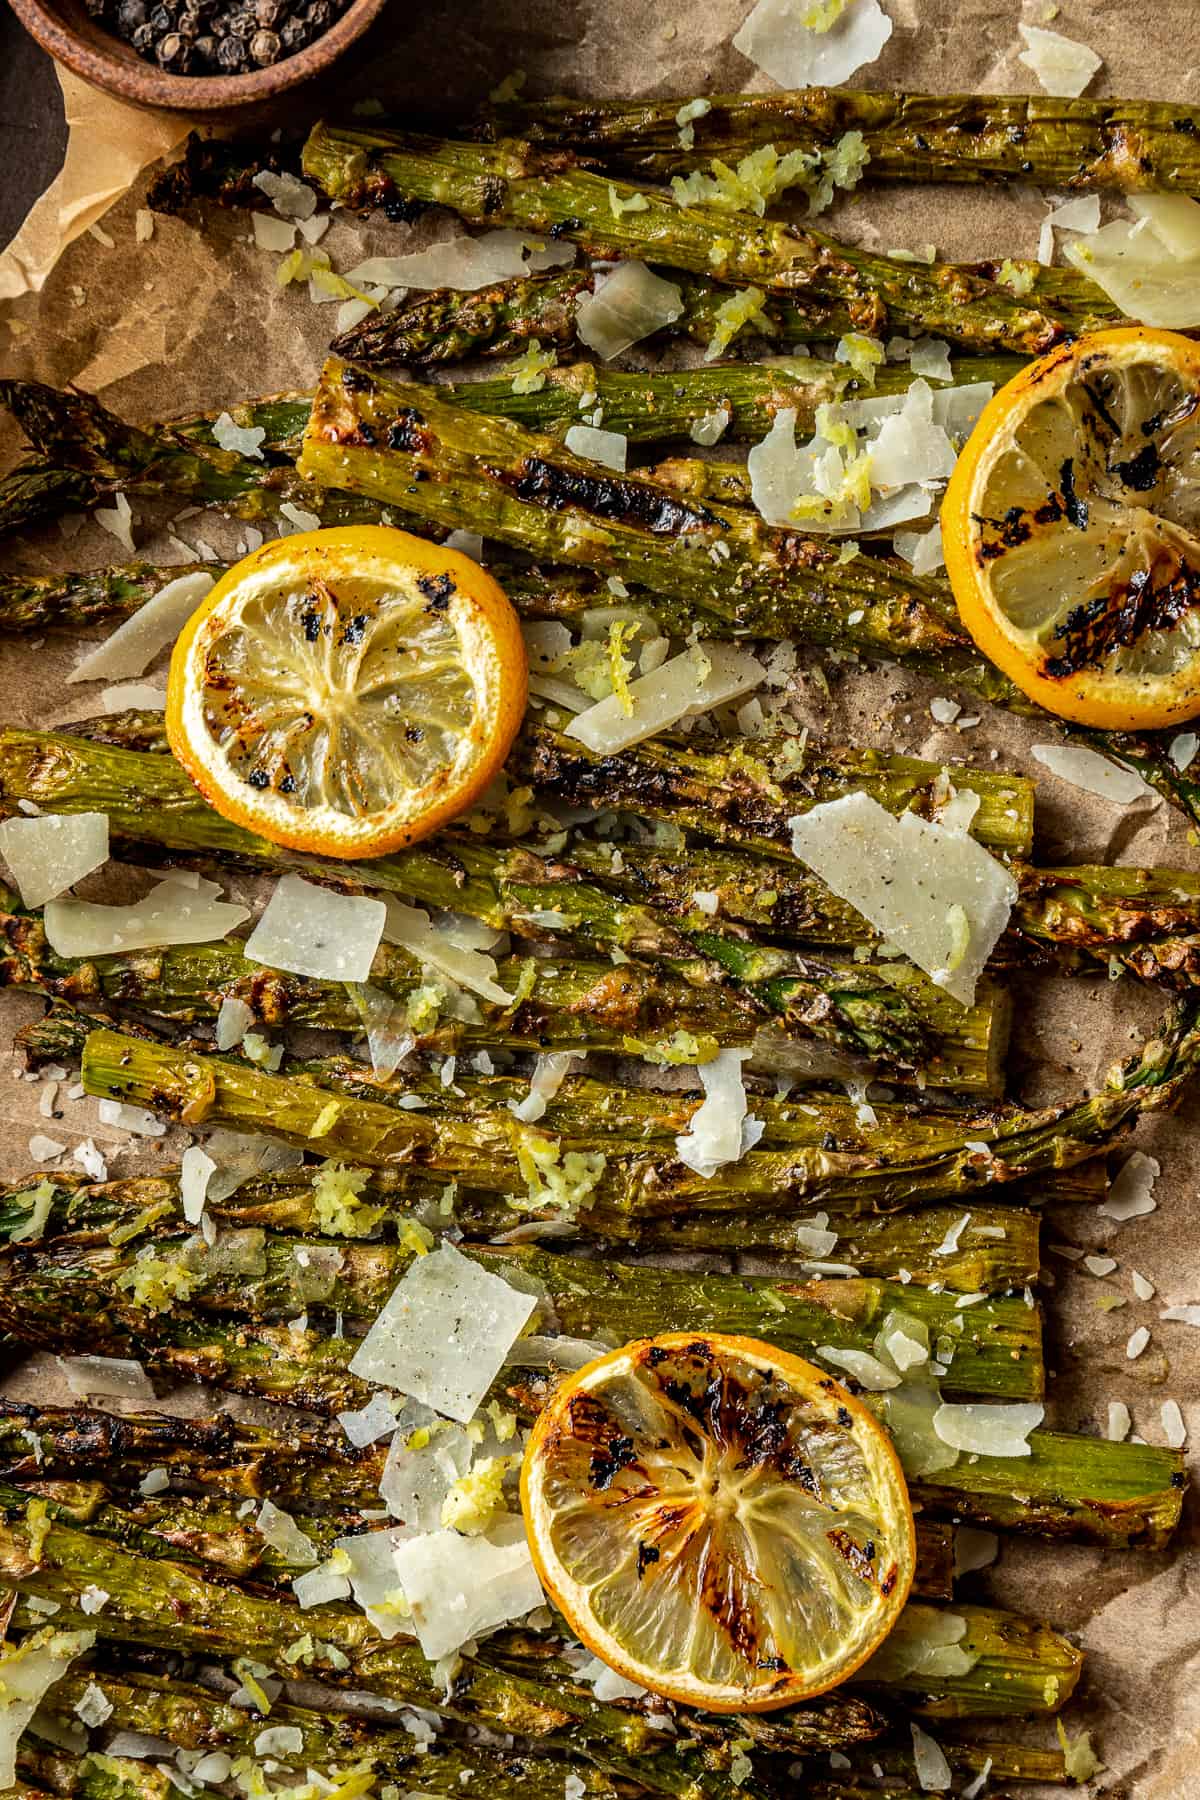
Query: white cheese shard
{"points": [[549, 1072], [1174, 1429], [443, 1333], [987, 1430], [610, 448], [240, 1155], [464, 262], [778, 38], [367, 1424], [374, 1579], [450, 945], [243, 440], [116, 1375], [607, 1685], [49, 854], [867, 1370], [1137, 1343], [1119, 1421], [313, 931], [423, 1464], [27, 1673], [923, 549], [1081, 214], [1149, 266], [133, 1119], [687, 685], [720, 1130], [1131, 1192], [929, 1761], [462, 1587], [290, 197], [1094, 773], [1181, 1315], [934, 893], [142, 695], [630, 304], [281, 1531], [169, 914], [94, 1706], [133, 646], [234, 1019], [1062, 66]]}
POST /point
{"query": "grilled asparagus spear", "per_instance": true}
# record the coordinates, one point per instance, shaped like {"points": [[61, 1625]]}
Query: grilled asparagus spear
{"points": [[513, 183], [996, 1249], [166, 1605], [1071, 1486], [645, 1182], [1076, 145]]}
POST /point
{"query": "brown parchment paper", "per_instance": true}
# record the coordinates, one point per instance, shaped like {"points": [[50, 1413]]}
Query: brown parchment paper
{"points": [[193, 318]]}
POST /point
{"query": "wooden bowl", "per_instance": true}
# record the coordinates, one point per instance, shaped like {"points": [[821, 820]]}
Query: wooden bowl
{"points": [[65, 29]]}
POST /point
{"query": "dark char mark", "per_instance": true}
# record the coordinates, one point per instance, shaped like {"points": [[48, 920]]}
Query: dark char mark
{"points": [[634, 503]]}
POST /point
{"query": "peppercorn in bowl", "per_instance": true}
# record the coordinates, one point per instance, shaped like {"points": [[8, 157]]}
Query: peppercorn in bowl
{"points": [[196, 55]]}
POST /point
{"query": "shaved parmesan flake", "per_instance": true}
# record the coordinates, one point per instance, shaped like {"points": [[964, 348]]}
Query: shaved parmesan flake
{"points": [[710, 427], [465, 262], [313, 931], [234, 1019], [1141, 268], [374, 1580], [815, 1238], [242, 440], [1174, 1429], [934, 893], [449, 945], [538, 1352], [718, 1131], [1119, 1422], [1143, 1289], [290, 197], [1082, 214], [134, 645], [117, 520], [925, 1641], [134, 1119], [106, 1375], [606, 1684], [795, 45], [1094, 773], [93, 1706], [27, 1673], [47, 855], [1181, 1315], [422, 1466], [1131, 1193], [168, 914], [381, 1014], [271, 232], [462, 1587], [549, 1072], [329, 1581], [142, 695], [607, 447], [1137, 1343], [929, 1761], [240, 1155], [281, 1531], [625, 307], [923, 549], [987, 1430], [371, 1422], [1063, 66], [866, 1369], [930, 357], [688, 684], [443, 1333]]}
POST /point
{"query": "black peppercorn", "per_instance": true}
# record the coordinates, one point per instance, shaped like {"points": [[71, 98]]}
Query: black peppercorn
{"points": [[193, 37], [231, 56]]}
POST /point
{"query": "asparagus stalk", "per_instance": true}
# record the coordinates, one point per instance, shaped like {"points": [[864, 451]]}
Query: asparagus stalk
{"points": [[514, 184], [489, 474], [1078, 145], [885, 1012], [211, 1533], [168, 1606], [1146, 920], [1070, 1486], [996, 1249], [645, 1182], [195, 1718], [996, 1345]]}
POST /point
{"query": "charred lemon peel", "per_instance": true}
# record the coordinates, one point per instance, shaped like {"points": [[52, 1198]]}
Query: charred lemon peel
{"points": [[1071, 528]]}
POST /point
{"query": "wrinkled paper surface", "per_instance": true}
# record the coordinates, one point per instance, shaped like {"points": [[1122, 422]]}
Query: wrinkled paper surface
{"points": [[193, 319]]}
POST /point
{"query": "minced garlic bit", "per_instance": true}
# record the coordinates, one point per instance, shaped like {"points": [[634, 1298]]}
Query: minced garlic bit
{"points": [[561, 1183], [741, 312], [529, 371], [156, 1282]]}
